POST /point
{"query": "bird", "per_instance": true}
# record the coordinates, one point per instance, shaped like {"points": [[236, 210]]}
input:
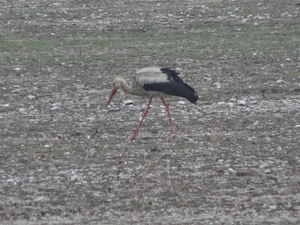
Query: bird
{"points": [[155, 82]]}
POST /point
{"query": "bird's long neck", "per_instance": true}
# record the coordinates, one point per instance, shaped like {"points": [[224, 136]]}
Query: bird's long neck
{"points": [[125, 87], [135, 90]]}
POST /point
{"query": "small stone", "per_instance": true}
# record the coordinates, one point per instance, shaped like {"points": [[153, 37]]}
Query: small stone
{"points": [[232, 100], [267, 171], [207, 78], [280, 81], [256, 123], [16, 90], [217, 84], [230, 104], [285, 15], [74, 177], [231, 170], [241, 102], [128, 102], [31, 96]]}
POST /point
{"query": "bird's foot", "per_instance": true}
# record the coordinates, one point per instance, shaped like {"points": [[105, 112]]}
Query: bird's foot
{"points": [[132, 137], [172, 136]]}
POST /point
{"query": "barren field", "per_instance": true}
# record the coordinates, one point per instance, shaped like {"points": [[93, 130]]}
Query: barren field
{"points": [[63, 154]]}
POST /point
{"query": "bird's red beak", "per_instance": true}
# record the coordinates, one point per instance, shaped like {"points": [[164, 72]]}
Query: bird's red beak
{"points": [[112, 93]]}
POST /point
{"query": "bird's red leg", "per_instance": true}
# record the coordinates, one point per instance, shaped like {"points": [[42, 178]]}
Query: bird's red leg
{"points": [[169, 115], [133, 136]]}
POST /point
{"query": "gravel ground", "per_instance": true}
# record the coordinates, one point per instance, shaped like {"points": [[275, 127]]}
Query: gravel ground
{"points": [[236, 157]]}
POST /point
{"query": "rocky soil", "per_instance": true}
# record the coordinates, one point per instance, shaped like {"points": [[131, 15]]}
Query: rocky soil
{"points": [[63, 154]]}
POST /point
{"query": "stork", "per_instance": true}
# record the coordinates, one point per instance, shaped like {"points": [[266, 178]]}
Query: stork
{"points": [[153, 82]]}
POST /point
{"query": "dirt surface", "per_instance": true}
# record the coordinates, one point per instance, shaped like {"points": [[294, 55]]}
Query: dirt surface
{"points": [[63, 157]]}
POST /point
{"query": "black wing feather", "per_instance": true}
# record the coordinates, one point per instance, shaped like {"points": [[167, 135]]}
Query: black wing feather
{"points": [[172, 74], [174, 86]]}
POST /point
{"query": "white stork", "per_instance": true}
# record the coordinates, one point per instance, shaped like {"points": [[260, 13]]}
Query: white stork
{"points": [[155, 82]]}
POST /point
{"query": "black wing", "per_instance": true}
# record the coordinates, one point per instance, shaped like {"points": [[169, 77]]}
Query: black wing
{"points": [[173, 86]]}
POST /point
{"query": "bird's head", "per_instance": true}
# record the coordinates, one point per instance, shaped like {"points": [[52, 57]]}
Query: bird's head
{"points": [[116, 85]]}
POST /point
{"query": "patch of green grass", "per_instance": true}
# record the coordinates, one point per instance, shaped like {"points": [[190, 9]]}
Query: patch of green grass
{"points": [[196, 44]]}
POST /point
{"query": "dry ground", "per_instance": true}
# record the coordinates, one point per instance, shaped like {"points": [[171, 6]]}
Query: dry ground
{"points": [[63, 158]]}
